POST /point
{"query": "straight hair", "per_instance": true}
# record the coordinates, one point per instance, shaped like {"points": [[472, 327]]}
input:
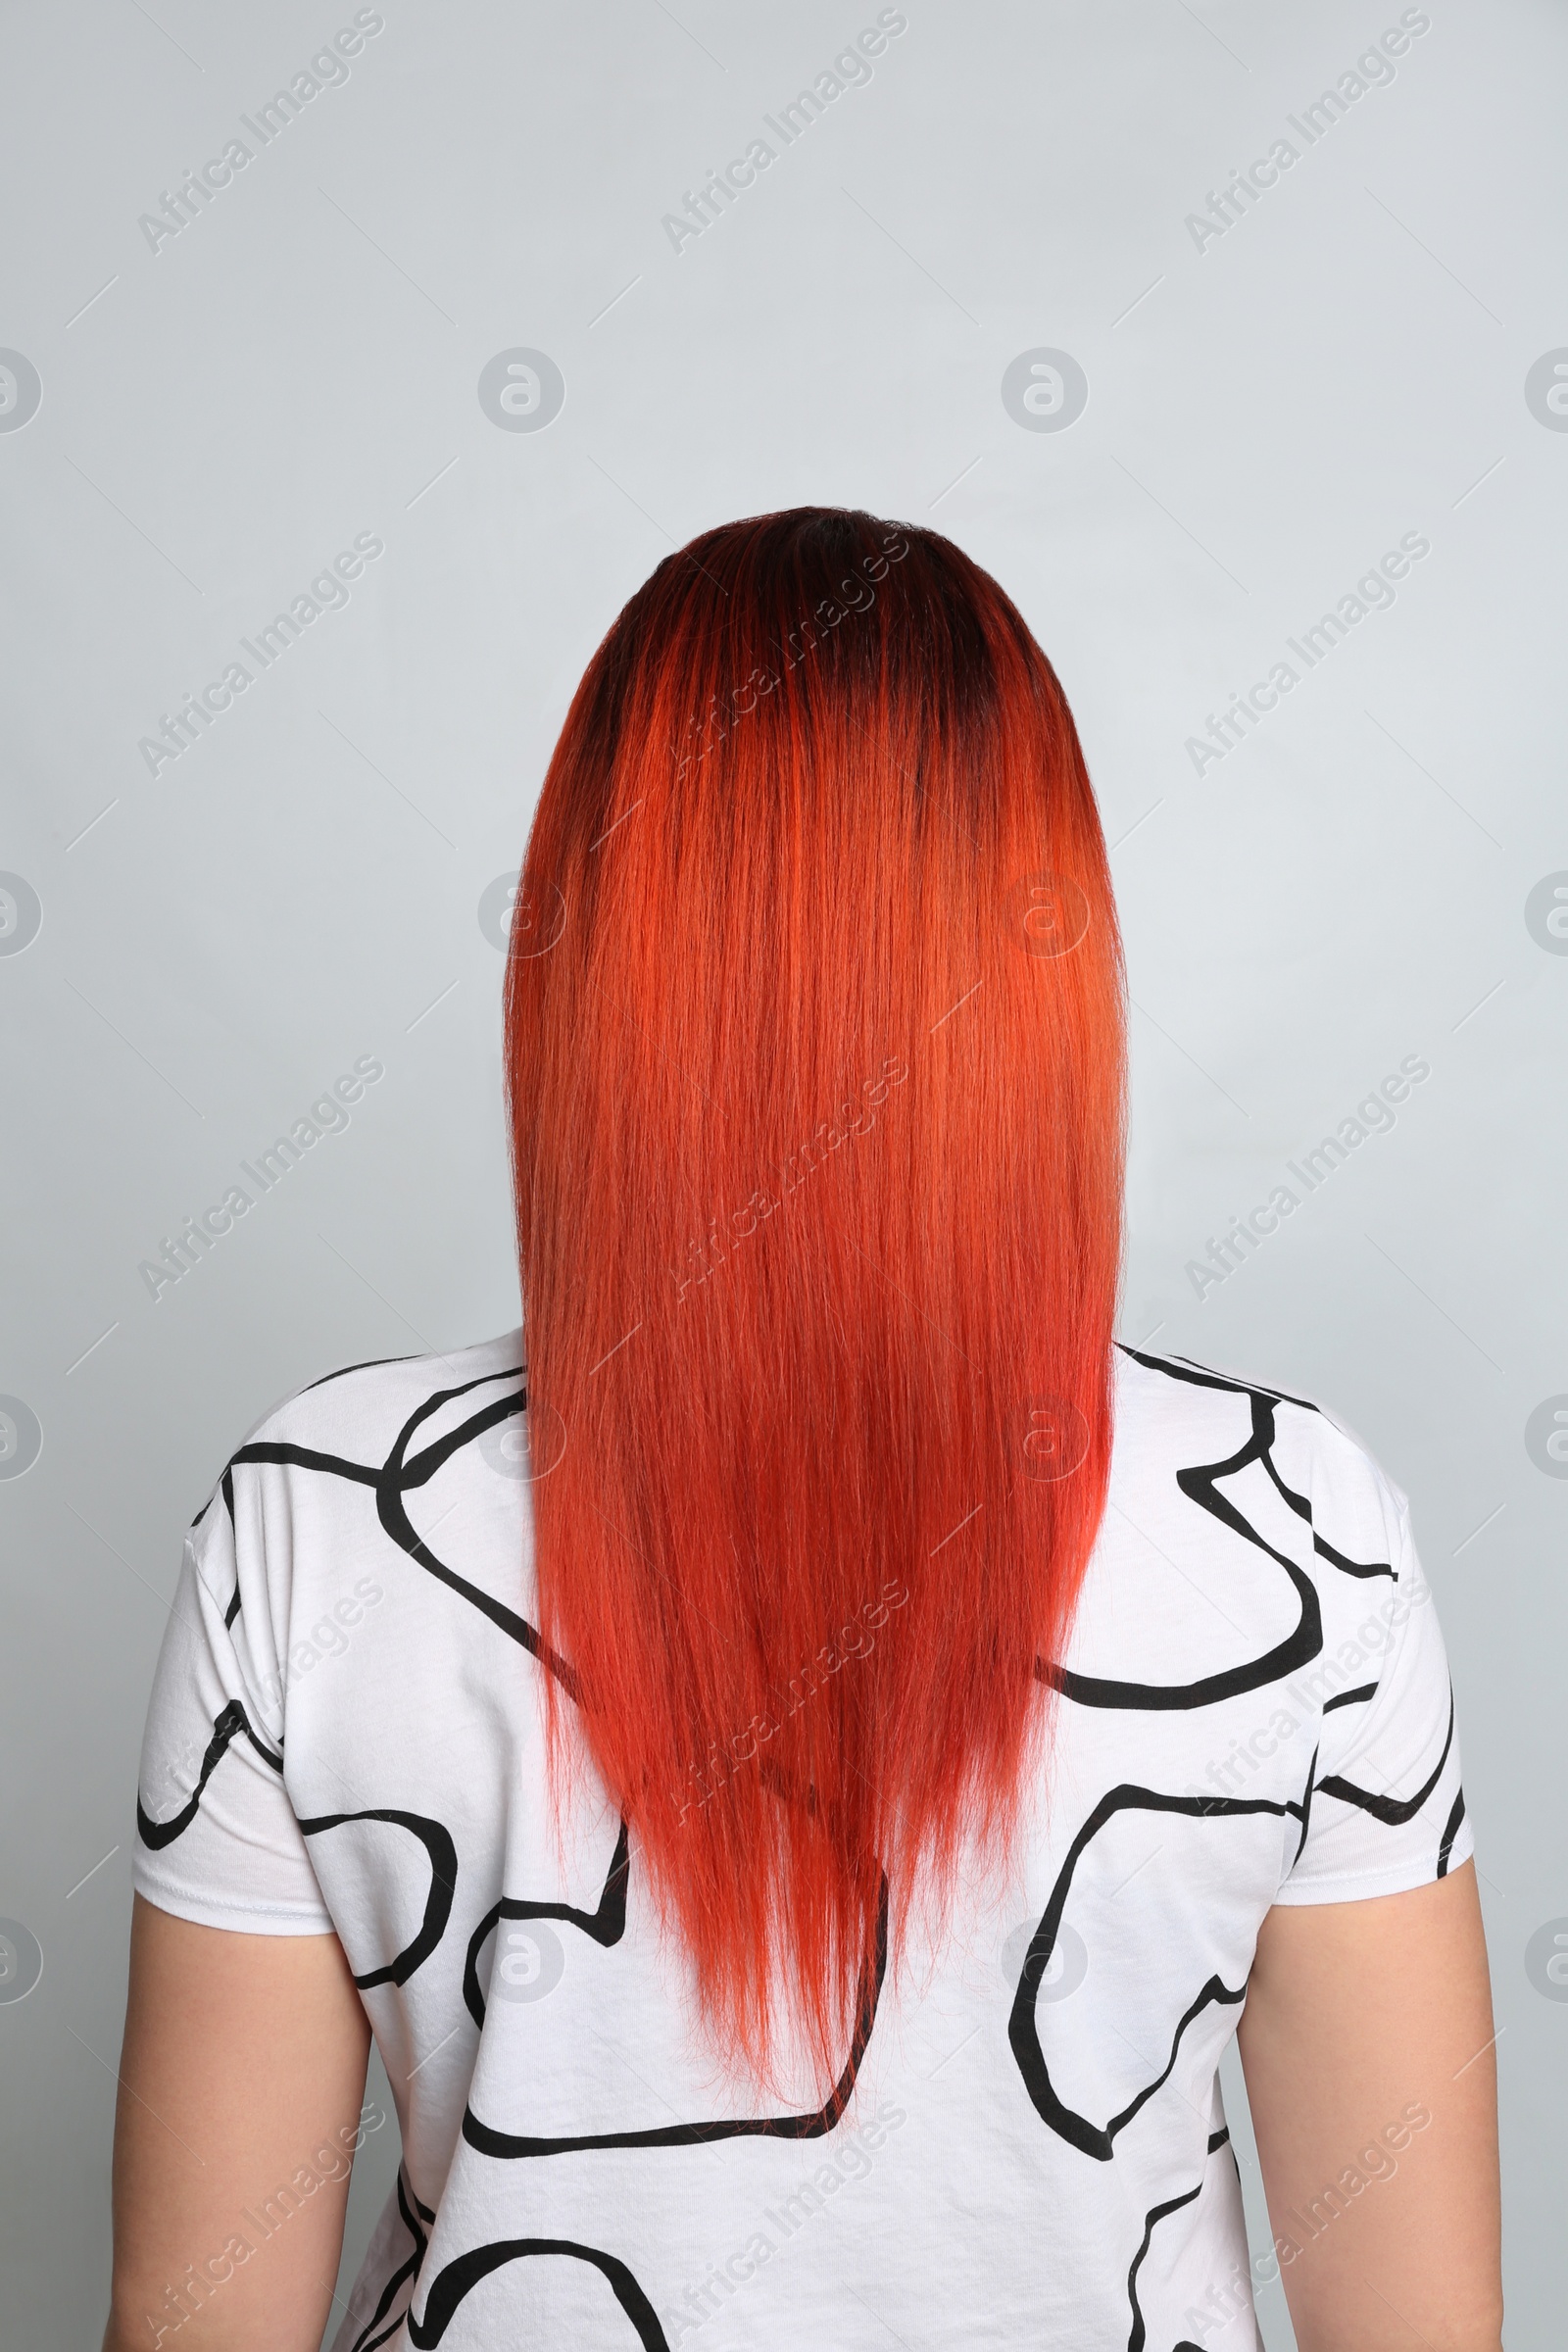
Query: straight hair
{"points": [[815, 1053]]}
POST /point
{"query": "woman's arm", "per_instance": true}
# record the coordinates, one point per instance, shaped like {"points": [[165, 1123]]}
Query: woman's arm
{"points": [[1367, 2045], [240, 2086]]}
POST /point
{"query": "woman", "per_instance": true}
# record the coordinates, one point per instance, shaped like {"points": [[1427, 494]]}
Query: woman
{"points": [[801, 1779]]}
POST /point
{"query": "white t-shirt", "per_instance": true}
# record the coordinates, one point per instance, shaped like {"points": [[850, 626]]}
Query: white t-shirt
{"points": [[1027, 2144]]}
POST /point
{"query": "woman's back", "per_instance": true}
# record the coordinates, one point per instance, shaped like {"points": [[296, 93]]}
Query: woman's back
{"points": [[1024, 2140]]}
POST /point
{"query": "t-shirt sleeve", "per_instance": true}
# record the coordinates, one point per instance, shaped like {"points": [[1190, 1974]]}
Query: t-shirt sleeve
{"points": [[217, 1838], [1387, 1810]]}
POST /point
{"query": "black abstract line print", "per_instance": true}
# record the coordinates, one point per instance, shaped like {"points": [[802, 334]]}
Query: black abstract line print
{"points": [[390, 1482], [426, 1738], [1391, 1811], [436, 1839], [460, 2278], [414, 2216], [1325, 1551], [1138, 2334], [226, 1727], [1023, 2031], [813, 2125], [226, 1486], [1200, 1483], [398, 1475], [1306, 1806], [1200, 1375], [374, 1364], [1450, 1830], [606, 1925], [1204, 1376], [306, 1458]]}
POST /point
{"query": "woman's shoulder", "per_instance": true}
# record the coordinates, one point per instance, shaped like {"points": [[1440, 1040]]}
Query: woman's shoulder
{"points": [[383, 1399], [346, 1461], [1248, 1534], [1205, 1421], [370, 1424]]}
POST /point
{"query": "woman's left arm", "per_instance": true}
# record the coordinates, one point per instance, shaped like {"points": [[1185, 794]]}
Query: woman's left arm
{"points": [[1367, 2044], [240, 2089]]}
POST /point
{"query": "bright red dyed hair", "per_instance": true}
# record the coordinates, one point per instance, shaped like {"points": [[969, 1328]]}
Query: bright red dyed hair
{"points": [[815, 1047]]}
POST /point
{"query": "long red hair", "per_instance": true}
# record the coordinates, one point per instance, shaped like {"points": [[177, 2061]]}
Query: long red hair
{"points": [[816, 1053]]}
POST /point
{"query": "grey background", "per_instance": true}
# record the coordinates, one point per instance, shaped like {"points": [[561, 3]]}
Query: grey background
{"points": [[1265, 416]]}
